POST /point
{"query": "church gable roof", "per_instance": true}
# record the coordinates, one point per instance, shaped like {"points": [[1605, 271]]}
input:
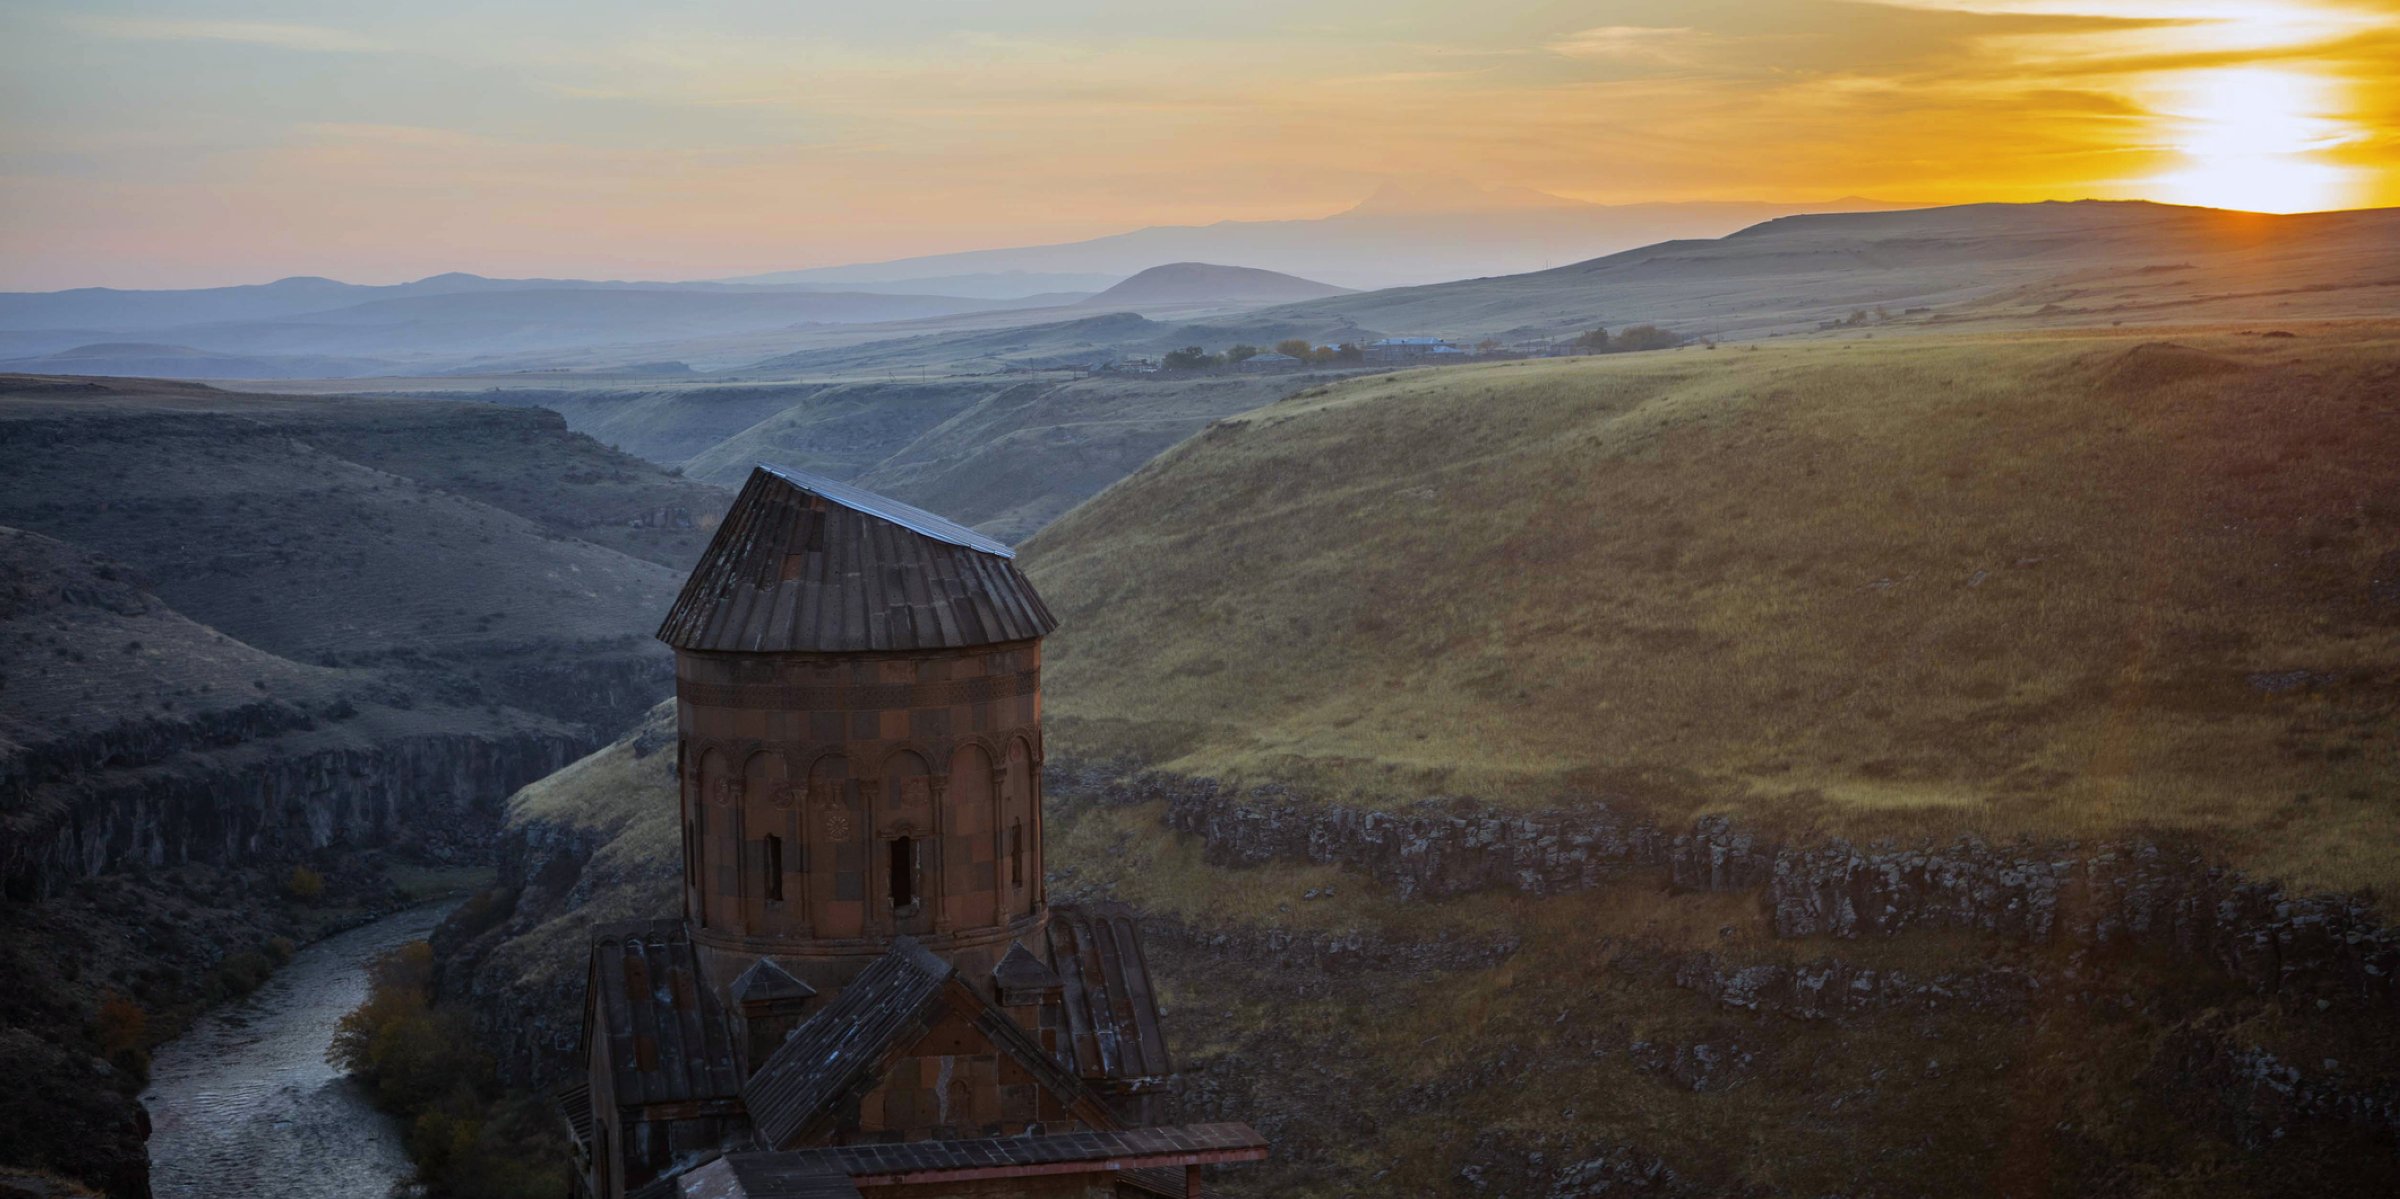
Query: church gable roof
{"points": [[765, 982], [1022, 977], [843, 1051], [836, 1051], [806, 564], [657, 1025]]}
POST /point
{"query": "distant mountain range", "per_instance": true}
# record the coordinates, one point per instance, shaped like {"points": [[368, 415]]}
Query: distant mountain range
{"points": [[304, 327], [2047, 264], [1418, 231]]}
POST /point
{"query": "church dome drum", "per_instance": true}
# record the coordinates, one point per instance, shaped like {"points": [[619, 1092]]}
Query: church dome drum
{"points": [[858, 692]]}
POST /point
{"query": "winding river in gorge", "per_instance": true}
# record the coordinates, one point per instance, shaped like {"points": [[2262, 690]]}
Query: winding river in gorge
{"points": [[244, 1103]]}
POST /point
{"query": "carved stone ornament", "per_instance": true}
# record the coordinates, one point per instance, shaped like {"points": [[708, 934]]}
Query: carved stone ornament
{"points": [[729, 792], [783, 795]]}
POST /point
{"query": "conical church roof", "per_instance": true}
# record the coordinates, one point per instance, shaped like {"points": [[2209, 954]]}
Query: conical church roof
{"points": [[806, 564]]}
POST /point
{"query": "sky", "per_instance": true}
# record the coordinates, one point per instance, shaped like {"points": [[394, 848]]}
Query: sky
{"points": [[145, 143]]}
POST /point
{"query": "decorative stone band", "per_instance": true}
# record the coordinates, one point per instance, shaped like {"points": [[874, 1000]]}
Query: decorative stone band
{"points": [[804, 946], [812, 697]]}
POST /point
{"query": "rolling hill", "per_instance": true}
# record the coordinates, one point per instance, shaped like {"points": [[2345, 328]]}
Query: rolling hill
{"points": [[1204, 283], [479, 552], [1991, 265], [2045, 585]]}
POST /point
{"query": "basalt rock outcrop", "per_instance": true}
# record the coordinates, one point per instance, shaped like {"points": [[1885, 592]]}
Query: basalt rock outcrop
{"points": [[2129, 895]]}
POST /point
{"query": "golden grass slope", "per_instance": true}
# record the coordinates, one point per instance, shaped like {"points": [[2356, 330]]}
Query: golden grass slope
{"points": [[2058, 584]]}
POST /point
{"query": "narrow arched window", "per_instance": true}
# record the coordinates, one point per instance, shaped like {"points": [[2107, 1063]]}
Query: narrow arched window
{"points": [[904, 873], [774, 865]]}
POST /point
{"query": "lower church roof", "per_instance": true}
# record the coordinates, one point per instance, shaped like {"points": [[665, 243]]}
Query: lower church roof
{"points": [[667, 1040], [1111, 1010]]}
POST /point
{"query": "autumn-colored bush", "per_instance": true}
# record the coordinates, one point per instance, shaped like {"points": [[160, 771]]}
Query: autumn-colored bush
{"points": [[122, 1029], [470, 1138], [120, 1023], [305, 885]]}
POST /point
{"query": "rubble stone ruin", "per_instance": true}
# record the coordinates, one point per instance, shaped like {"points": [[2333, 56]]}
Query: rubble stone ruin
{"points": [[868, 993]]}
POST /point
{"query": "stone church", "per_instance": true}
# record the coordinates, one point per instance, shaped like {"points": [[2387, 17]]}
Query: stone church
{"points": [[868, 993]]}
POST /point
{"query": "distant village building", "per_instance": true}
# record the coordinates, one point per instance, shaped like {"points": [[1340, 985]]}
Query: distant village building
{"points": [[1393, 350], [868, 993], [1270, 360]]}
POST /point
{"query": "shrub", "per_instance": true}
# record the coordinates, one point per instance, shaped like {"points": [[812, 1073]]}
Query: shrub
{"points": [[241, 973], [1645, 337], [305, 885], [470, 1138], [120, 1024], [1189, 358], [483, 911]]}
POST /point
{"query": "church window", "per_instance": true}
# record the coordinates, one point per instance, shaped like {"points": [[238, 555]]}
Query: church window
{"points": [[904, 874]]}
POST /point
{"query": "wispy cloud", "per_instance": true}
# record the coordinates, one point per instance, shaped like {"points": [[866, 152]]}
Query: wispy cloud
{"points": [[1629, 43], [314, 38]]}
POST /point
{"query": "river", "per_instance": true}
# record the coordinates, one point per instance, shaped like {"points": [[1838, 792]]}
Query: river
{"points": [[244, 1104]]}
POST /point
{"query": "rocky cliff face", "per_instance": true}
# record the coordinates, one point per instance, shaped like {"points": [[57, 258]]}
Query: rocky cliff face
{"points": [[591, 844], [2234, 1017], [2114, 895], [435, 794]]}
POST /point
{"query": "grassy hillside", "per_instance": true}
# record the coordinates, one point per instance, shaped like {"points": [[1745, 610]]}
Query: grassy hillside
{"points": [[2058, 584]]}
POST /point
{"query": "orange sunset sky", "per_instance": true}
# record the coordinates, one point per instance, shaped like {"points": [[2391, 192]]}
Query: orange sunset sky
{"points": [[149, 143]]}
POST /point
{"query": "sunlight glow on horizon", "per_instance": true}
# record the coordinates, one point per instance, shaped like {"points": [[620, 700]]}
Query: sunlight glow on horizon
{"points": [[2253, 139], [181, 142]]}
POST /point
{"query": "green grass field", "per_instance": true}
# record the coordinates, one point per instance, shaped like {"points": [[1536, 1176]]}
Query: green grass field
{"points": [[2060, 584]]}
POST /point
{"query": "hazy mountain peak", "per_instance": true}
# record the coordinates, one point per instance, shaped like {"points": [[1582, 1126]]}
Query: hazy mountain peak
{"points": [[1430, 194], [1198, 282]]}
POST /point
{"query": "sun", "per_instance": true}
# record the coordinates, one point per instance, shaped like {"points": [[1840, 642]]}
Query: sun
{"points": [[2254, 139]]}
